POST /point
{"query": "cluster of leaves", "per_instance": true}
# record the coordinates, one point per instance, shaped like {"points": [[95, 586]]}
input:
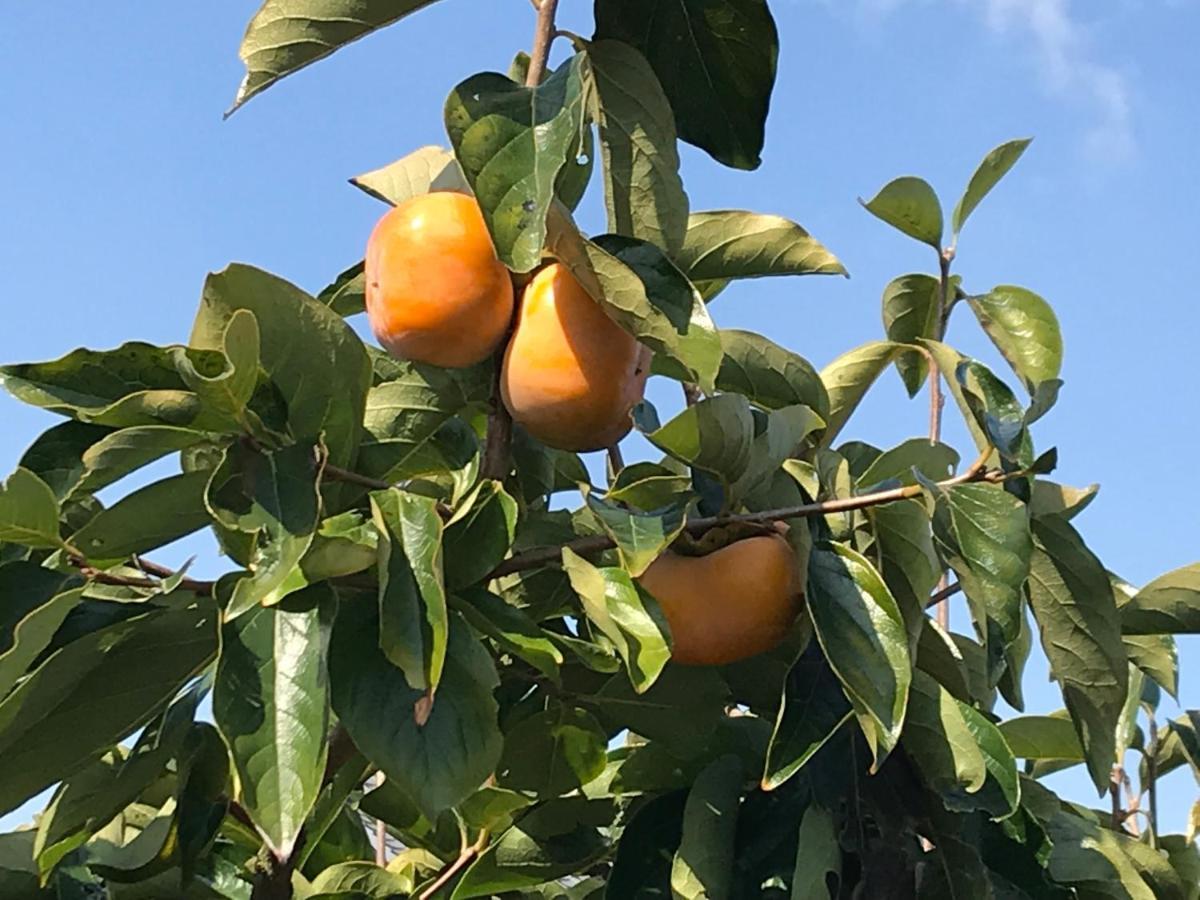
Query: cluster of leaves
{"points": [[487, 650]]}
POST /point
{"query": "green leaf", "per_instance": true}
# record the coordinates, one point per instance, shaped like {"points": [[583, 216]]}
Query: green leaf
{"points": [[716, 434], [642, 189], [681, 709], [1052, 499], [768, 374], [1043, 737], [983, 534], [811, 710], [226, 394], [1095, 858], [271, 703], [1001, 793], [907, 560], [157, 514], [286, 35], [724, 244], [346, 296], [1170, 604], [96, 689], [135, 384], [643, 292], [779, 434], [56, 456], [550, 841], [939, 742], [553, 752], [1157, 656], [441, 761], [413, 617], [273, 496], [863, 635], [511, 142], [93, 796], [716, 62], [360, 880], [1081, 634], [994, 167], [424, 170], [1025, 331], [315, 360], [36, 600], [510, 627], [480, 535], [911, 310], [909, 205], [28, 512], [848, 378], [625, 614], [703, 864], [649, 486], [818, 855], [124, 451], [640, 537], [934, 461]]}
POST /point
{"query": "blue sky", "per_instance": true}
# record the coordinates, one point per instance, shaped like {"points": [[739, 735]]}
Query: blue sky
{"points": [[122, 187]]}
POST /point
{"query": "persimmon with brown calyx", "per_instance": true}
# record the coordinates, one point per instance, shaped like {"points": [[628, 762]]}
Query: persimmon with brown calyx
{"points": [[732, 603], [571, 375], [436, 291]]}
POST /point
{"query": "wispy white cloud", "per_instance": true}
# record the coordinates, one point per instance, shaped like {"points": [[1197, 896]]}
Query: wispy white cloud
{"points": [[1068, 64]]}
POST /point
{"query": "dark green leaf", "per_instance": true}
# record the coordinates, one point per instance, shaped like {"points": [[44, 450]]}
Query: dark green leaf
{"points": [[271, 703], [994, 167], [413, 617], [863, 635], [909, 205], [703, 864], [286, 35], [1097, 859], [479, 535], [768, 374], [35, 602], [983, 533], [420, 172], [438, 761], [1170, 604], [907, 560], [274, 497], [95, 690], [811, 709], [1073, 603], [645, 853], [640, 537], [1025, 331], [56, 456], [511, 142], [121, 452], [938, 740], [681, 709], [848, 378], [314, 359], [780, 434], [1157, 656], [28, 511], [716, 434], [626, 614], [553, 752], [510, 627], [934, 461], [157, 514], [716, 62], [642, 188], [911, 310], [360, 880], [724, 244], [817, 856], [649, 486]]}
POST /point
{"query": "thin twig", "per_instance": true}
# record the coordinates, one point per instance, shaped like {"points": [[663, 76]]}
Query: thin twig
{"points": [[100, 576], [615, 461], [337, 473], [691, 393], [943, 595], [465, 856], [542, 556]]}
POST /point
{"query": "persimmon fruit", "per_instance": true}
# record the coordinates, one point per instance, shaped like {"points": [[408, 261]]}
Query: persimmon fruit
{"points": [[571, 375], [436, 292], [730, 604]]}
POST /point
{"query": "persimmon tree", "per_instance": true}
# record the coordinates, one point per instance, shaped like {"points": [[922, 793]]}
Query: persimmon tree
{"points": [[436, 624]]}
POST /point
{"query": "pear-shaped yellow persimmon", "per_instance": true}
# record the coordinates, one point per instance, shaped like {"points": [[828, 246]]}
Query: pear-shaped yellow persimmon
{"points": [[436, 293], [571, 375], [730, 604]]}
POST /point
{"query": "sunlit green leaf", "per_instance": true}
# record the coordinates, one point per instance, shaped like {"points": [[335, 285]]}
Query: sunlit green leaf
{"points": [[1025, 331], [728, 243], [911, 310], [909, 205], [994, 167]]}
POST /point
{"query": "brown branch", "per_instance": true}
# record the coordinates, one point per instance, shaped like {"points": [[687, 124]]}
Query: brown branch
{"points": [[943, 595], [465, 856], [100, 576], [615, 461], [543, 37], [337, 473], [691, 393], [541, 556]]}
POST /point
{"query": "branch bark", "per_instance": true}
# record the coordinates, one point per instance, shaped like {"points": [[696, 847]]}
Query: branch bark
{"points": [[533, 559]]}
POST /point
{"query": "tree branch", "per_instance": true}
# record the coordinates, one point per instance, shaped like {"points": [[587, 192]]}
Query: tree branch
{"points": [[79, 561], [541, 556], [465, 856]]}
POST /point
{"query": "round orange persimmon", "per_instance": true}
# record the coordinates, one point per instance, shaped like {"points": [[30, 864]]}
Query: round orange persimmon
{"points": [[436, 293], [730, 604], [571, 375]]}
